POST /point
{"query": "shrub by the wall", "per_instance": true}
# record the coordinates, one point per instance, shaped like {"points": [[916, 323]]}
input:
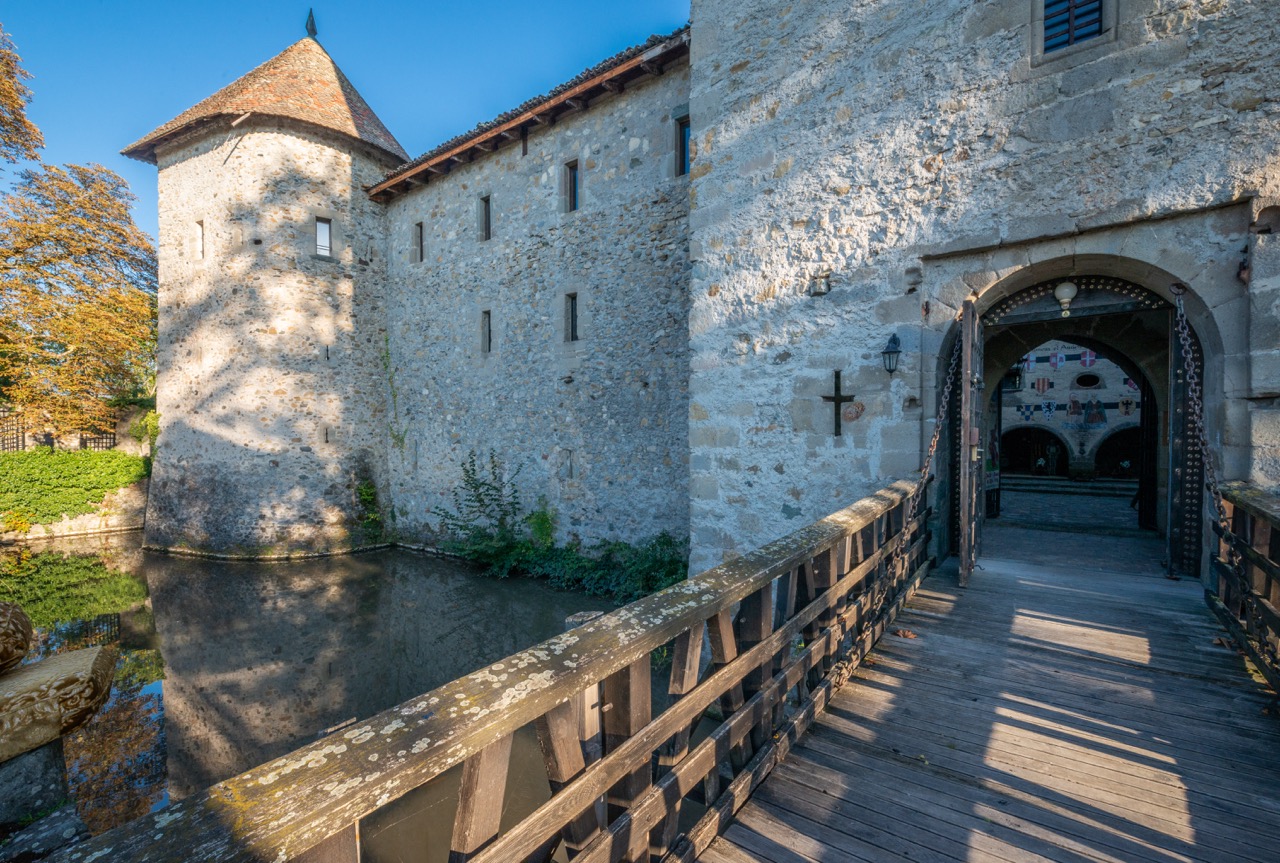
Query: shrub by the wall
{"points": [[40, 486], [488, 527]]}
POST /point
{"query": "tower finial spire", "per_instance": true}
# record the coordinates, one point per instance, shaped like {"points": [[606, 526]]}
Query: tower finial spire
{"points": [[311, 23]]}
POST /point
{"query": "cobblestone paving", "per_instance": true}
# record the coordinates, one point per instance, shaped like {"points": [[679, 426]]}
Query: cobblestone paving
{"points": [[1092, 532], [1073, 512], [1138, 554]]}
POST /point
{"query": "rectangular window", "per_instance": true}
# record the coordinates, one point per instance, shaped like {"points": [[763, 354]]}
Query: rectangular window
{"points": [[571, 186], [419, 248], [570, 317], [324, 237], [683, 140], [1067, 22], [486, 219], [486, 332], [200, 240]]}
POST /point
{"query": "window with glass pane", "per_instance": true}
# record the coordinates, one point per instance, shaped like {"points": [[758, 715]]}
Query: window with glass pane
{"points": [[1067, 22], [682, 142], [324, 236], [570, 317], [571, 186]]}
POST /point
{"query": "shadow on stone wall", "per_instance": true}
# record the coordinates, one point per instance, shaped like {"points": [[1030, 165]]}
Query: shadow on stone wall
{"points": [[270, 394]]}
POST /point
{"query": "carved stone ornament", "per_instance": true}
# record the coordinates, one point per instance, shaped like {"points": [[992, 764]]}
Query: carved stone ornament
{"points": [[42, 701], [15, 635]]}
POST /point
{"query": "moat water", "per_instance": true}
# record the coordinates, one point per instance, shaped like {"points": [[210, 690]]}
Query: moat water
{"points": [[225, 665]]}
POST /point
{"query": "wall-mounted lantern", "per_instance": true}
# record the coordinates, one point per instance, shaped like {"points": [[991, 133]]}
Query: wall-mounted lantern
{"points": [[1064, 294], [890, 354]]}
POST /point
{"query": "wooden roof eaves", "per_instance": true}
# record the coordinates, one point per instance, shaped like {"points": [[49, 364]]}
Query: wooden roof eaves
{"points": [[546, 113], [146, 152]]}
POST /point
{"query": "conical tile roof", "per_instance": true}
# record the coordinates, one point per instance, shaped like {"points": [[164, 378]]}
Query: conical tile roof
{"points": [[301, 83]]}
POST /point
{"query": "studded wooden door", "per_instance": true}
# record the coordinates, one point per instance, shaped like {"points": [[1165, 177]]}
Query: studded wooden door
{"points": [[971, 455], [1186, 465]]}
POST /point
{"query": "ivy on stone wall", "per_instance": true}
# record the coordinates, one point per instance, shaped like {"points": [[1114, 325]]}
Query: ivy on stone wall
{"points": [[40, 486]]}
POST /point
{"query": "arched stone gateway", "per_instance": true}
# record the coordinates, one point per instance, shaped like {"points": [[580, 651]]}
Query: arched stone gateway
{"points": [[1108, 314]]}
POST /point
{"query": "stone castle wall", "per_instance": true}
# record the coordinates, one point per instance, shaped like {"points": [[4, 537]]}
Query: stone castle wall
{"points": [[596, 427], [859, 172], [922, 154], [270, 375]]}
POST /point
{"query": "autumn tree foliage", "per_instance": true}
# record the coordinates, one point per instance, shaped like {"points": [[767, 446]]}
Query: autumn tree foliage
{"points": [[77, 282], [19, 137], [77, 297]]}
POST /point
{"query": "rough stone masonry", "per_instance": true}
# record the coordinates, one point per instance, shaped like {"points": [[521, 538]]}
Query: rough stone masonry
{"points": [[907, 155]]}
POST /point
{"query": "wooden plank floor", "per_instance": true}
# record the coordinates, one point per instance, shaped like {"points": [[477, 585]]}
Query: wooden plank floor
{"points": [[1052, 711]]}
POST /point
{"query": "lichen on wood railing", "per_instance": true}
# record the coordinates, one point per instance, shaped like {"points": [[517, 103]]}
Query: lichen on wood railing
{"points": [[1246, 595], [785, 625]]}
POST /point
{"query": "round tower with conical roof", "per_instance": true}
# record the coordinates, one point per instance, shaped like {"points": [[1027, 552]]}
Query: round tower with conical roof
{"points": [[272, 380]]}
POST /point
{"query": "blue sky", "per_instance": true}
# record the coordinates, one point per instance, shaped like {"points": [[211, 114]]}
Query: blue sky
{"points": [[106, 72]]}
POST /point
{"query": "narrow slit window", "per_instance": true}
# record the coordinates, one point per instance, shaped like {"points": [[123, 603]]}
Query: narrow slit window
{"points": [[419, 247], [486, 219], [570, 317], [486, 332], [1068, 22], [324, 237], [683, 140], [200, 240], [571, 186]]}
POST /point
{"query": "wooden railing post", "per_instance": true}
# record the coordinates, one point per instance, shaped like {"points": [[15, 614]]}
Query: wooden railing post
{"points": [[788, 589], [1246, 600], [562, 755], [484, 784], [1227, 590], [821, 576], [756, 624], [685, 662], [587, 703], [724, 649], [1259, 541], [586, 709], [627, 705]]}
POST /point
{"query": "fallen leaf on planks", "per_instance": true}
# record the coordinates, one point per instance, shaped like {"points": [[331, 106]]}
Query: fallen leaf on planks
{"points": [[905, 633]]}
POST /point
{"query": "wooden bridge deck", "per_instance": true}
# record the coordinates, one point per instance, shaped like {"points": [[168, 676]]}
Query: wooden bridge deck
{"points": [[1046, 713]]}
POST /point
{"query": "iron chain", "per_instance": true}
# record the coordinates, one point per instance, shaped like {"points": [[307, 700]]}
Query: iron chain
{"points": [[913, 502]]}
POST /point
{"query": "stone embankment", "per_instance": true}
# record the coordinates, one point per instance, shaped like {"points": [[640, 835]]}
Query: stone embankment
{"points": [[120, 510]]}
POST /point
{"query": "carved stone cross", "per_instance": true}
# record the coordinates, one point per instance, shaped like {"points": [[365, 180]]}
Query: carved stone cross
{"points": [[838, 401]]}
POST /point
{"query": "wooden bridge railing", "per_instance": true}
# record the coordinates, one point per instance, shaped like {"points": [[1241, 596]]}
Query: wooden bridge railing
{"points": [[1247, 599], [785, 626]]}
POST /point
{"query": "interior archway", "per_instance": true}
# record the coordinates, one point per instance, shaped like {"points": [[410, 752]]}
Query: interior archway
{"points": [[1119, 454], [1029, 450]]}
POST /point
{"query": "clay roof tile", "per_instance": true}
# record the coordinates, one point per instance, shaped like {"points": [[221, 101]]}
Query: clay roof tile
{"points": [[586, 75], [300, 83]]}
